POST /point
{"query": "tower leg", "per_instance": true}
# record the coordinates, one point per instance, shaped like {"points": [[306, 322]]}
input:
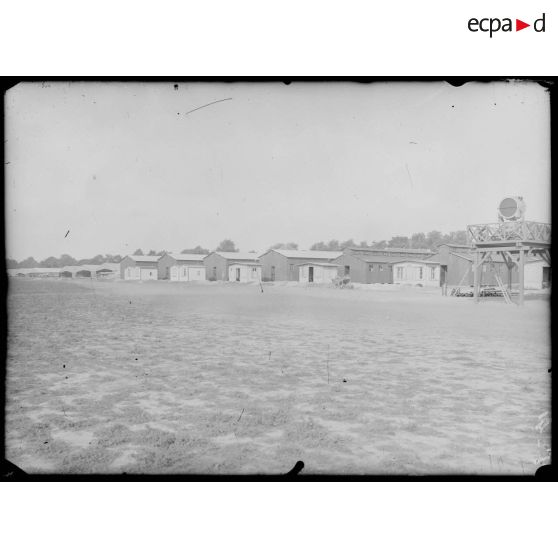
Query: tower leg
{"points": [[521, 265], [510, 268], [476, 277]]}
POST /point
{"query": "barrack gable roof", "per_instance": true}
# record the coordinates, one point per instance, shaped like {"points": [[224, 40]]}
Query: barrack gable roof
{"points": [[238, 256], [388, 251], [457, 246], [425, 262], [308, 254], [187, 257], [108, 266], [145, 258], [372, 259], [318, 264], [39, 270], [249, 264], [91, 267], [466, 256]]}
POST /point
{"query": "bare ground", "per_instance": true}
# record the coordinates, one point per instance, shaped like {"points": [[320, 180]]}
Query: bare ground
{"points": [[112, 377]]}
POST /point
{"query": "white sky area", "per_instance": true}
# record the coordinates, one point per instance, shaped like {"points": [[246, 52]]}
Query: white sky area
{"points": [[122, 166]]}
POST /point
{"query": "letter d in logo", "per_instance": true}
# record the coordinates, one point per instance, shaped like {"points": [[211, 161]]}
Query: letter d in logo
{"points": [[539, 24]]}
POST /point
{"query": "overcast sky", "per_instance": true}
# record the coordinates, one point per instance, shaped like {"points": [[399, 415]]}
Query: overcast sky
{"points": [[123, 166]]}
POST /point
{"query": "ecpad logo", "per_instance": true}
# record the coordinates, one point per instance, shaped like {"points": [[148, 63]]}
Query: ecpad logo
{"points": [[493, 25]]}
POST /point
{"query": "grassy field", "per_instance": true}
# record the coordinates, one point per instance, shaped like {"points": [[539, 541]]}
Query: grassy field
{"points": [[112, 377]]}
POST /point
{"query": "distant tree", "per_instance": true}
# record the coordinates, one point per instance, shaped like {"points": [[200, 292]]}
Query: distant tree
{"points": [[398, 242], [348, 244], [138, 252], [226, 246], [418, 240], [197, 250], [331, 246], [66, 259], [51, 261], [458, 237], [284, 246], [115, 259], [161, 253], [11, 264], [97, 260], [152, 253], [434, 239], [29, 262], [462, 237]]}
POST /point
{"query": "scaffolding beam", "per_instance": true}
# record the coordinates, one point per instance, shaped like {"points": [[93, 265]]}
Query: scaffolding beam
{"points": [[513, 242]]}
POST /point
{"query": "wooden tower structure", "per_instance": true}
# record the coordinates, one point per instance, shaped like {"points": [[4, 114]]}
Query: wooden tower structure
{"points": [[513, 239]]}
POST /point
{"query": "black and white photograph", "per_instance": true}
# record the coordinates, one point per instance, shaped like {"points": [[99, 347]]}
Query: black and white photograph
{"points": [[265, 277]]}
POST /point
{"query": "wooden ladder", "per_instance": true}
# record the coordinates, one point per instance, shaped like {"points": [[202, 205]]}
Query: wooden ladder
{"points": [[505, 292]]}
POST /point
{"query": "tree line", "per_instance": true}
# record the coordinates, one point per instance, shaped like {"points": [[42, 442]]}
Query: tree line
{"points": [[65, 259], [429, 240]]}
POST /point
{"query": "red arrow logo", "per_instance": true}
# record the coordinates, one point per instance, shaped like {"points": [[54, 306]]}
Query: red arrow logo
{"points": [[519, 25]]}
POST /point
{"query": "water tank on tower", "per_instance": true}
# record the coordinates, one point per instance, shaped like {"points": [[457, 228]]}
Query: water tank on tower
{"points": [[511, 209]]}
